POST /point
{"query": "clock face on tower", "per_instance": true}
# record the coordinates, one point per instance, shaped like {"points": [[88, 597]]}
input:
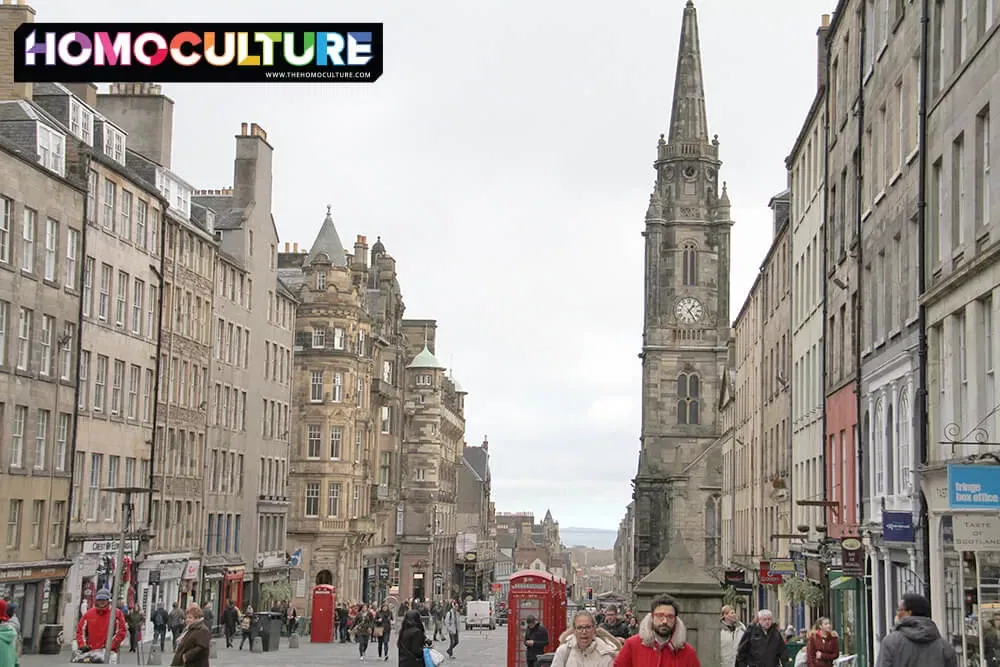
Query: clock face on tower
{"points": [[689, 310]]}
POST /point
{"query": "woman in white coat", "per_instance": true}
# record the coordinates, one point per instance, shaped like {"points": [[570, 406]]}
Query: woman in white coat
{"points": [[586, 645], [731, 633]]}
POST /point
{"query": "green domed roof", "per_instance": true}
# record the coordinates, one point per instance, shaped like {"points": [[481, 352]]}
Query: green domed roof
{"points": [[427, 360]]}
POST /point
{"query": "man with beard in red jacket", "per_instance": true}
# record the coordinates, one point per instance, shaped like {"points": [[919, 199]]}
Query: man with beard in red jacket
{"points": [[92, 630], [660, 642]]}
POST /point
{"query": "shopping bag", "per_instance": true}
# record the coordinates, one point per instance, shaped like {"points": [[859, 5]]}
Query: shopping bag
{"points": [[432, 658]]}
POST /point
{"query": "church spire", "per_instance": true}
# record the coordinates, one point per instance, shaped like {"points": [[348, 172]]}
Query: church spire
{"points": [[688, 121]]}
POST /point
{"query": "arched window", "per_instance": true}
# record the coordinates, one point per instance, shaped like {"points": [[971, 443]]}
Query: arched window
{"points": [[688, 393], [890, 444], [878, 447], [690, 265], [713, 532], [324, 577]]}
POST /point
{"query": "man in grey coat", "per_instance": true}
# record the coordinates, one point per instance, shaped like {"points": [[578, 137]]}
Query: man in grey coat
{"points": [[915, 641]]}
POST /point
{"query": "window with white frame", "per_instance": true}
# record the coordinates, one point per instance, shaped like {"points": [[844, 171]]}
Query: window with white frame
{"points": [[338, 388], [425, 380], [100, 383], [141, 213], [51, 247], [121, 309], [41, 438], [62, 438], [4, 331], [312, 500], [114, 143], [125, 226], [338, 338], [6, 215], [72, 250], [66, 352], [87, 295], [24, 322], [387, 369], [321, 280], [336, 441], [314, 441], [385, 419], [17, 436], [361, 343], [359, 393], [83, 381], [319, 338], [104, 297], [28, 229], [110, 198], [45, 345], [51, 149], [316, 387], [333, 500], [138, 296], [117, 382], [135, 376], [81, 121]]}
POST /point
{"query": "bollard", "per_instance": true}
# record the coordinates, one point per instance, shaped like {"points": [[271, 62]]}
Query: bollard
{"points": [[257, 645], [293, 640], [154, 656], [213, 650]]}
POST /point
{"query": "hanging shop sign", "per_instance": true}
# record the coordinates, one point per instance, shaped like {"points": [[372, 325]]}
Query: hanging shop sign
{"points": [[852, 555]]}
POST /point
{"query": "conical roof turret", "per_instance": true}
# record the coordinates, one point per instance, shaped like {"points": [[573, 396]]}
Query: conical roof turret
{"points": [[426, 360], [327, 245]]}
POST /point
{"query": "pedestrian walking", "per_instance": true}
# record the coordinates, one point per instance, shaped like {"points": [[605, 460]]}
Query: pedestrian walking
{"points": [[193, 647], [364, 623], [731, 633], [536, 638], [762, 644], [915, 641], [160, 620], [412, 640], [383, 628], [586, 644], [10, 639], [660, 640], [614, 625], [823, 645], [451, 623], [246, 628], [176, 622], [135, 620], [230, 618], [438, 611]]}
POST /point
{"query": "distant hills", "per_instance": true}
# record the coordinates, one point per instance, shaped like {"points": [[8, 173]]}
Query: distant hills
{"points": [[594, 538]]}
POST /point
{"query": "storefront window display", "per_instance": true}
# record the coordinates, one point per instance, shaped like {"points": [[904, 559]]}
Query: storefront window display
{"points": [[972, 602]]}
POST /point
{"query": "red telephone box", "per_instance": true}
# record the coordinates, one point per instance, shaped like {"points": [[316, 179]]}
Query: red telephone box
{"points": [[324, 603], [532, 593], [560, 621]]}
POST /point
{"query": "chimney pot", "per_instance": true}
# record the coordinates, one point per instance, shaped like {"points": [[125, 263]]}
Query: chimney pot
{"points": [[826, 21], [243, 129], [296, 248], [286, 246]]}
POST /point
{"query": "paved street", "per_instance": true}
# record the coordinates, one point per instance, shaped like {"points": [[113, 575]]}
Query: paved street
{"points": [[474, 650]]}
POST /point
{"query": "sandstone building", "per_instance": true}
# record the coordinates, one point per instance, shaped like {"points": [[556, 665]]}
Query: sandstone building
{"points": [[686, 329], [42, 231]]}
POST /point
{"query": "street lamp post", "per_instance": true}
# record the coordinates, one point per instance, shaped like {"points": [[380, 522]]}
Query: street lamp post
{"points": [[117, 581]]}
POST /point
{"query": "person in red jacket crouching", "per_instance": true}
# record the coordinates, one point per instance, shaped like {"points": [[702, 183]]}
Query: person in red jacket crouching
{"points": [[660, 642], [92, 630]]}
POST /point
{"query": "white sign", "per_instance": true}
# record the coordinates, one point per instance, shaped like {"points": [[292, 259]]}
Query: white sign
{"points": [[976, 533], [104, 546]]}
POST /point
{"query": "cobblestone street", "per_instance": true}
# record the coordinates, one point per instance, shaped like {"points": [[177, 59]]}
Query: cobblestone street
{"points": [[475, 649]]}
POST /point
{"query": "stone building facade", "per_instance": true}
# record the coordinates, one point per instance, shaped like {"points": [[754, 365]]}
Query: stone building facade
{"points": [[686, 329], [433, 442], [175, 524], [120, 297], [962, 280], [333, 428], [250, 379], [42, 203], [890, 327], [806, 180]]}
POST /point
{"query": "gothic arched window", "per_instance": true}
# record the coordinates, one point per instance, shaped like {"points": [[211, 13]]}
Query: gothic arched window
{"points": [[690, 263], [688, 393], [713, 531]]}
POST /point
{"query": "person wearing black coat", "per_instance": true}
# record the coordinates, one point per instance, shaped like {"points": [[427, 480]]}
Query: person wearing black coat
{"points": [[412, 640], [536, 638]]}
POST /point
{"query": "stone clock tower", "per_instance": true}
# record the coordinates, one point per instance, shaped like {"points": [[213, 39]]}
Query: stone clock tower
{"points": [[686, 330]]}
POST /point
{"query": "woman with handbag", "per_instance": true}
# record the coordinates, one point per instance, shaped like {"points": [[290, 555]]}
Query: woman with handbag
{"points": [[383, 628]]}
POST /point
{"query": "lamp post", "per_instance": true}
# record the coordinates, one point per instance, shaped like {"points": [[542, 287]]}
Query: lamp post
{"points": [[116, 582]]}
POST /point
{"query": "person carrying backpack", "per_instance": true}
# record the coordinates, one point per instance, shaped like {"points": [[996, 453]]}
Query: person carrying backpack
{"points": [[9, 639]]}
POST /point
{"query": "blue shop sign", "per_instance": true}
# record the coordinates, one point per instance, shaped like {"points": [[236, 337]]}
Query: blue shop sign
{"points": [[897, 527], [974, 487]]}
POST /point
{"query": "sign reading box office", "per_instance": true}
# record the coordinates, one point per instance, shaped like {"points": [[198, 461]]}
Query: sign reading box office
{"points": [[974, 487], [975, 533]]}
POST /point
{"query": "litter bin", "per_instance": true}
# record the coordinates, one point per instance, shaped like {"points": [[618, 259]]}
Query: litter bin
{"points": [[791, 650], [545, 659], [270, 630]]}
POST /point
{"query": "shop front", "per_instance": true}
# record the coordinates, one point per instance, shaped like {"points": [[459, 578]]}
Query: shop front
{"points": [[160, 580], [224, 583], [270, 583], [848, 604], [91, 570], [37, 589], [964, 534]]}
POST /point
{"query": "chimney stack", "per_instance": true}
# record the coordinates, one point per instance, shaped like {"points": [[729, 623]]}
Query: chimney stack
{"points": [[146, 114], [821, 34], [85, 91], [360, 260], [252, 169], [486, 443], [295, 248], [12, 14]]}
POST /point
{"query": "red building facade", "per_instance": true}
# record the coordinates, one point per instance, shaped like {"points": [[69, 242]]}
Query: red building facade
{"points": [[841, 461]]}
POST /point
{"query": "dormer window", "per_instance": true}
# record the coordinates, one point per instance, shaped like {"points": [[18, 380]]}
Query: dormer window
{"points": [[51, 149], [425, 380], [321, 280], [81, 121], [114, 143]]}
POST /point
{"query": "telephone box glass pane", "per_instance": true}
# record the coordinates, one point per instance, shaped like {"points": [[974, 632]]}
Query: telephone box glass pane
{"points": [[526, 608]]}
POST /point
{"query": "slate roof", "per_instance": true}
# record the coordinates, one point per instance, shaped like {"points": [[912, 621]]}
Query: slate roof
{"points": [[327, 244]]}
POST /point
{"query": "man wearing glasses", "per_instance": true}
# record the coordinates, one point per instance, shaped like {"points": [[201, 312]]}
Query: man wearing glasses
{"points": [[585, 645], [660, 642]]}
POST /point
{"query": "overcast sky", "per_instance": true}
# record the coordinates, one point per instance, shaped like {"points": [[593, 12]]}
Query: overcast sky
{"points": [[505, 158]]}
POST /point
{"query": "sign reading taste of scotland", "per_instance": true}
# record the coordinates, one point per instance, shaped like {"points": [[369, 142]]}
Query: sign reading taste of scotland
{"points": [[974, 487]]}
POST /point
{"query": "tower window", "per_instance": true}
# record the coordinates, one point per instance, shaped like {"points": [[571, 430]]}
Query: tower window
{"points": [[688, 393], [690, 269]]}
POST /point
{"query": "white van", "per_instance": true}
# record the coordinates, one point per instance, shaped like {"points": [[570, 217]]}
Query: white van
{"points": [[480, 614]]}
